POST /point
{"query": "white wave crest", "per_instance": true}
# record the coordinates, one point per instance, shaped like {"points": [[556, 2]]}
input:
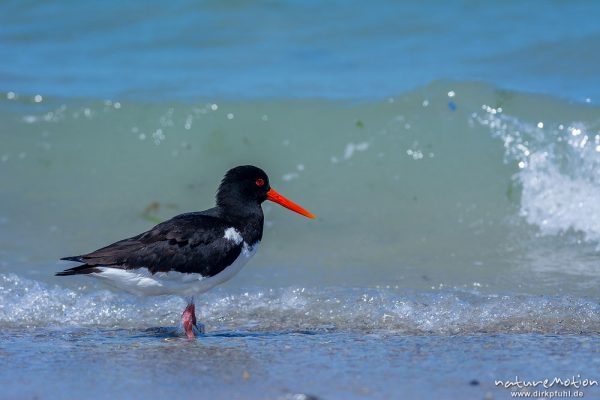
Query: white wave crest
{"points": [[559, 171]]}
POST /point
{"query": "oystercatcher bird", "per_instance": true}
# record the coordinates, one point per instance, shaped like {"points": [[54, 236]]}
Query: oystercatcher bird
{"points": [[192, 252]]}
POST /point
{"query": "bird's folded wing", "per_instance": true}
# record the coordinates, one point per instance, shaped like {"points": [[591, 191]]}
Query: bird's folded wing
{"points": [[189, 243]]}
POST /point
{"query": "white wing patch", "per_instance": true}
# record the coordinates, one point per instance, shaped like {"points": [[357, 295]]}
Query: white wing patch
{"points": [[233, 235]]}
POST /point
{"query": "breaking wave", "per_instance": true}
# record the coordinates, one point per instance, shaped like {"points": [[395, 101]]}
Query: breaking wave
{"points": [[28, 304]]}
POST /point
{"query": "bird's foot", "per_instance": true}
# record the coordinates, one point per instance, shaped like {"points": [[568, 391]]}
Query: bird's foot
{"points": [[188, 320]]}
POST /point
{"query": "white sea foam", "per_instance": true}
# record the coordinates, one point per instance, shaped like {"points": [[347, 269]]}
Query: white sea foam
{"points": [[27, 303]]}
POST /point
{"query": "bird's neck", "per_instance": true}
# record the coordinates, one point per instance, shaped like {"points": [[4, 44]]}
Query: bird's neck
{"points": [[248, 219]]}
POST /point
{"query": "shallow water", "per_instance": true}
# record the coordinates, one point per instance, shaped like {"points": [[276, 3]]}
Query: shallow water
{"points": [[458, 235], [153, 363]]}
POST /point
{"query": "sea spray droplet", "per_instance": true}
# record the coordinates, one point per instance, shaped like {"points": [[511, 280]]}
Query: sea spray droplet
{"points": [[290, 176], [158, 136], [352, 147]]}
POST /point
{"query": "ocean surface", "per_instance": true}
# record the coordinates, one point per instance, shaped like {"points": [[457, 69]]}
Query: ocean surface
{"points": [[451, 152]]}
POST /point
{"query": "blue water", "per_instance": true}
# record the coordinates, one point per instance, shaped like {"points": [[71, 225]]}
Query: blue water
{"points": [[450, 150], [240, 50], [284, 365]]}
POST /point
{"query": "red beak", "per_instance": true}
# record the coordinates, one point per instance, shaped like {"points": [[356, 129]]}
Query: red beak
{"points": [[279, 199]]}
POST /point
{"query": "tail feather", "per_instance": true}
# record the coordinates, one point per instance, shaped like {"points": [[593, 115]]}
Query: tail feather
{"points": [[73, 258], [80, 270]]}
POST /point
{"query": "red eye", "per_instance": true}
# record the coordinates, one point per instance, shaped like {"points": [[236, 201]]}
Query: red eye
{"points": [[260, 182]]}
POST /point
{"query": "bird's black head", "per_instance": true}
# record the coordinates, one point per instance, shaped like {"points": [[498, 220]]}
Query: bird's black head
{"points": [[247, 186]]}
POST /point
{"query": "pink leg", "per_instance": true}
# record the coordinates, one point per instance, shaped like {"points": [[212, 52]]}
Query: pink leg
{"points": [[188, 320]]}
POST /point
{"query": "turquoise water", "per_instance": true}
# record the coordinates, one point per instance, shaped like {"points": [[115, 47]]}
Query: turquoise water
{"points": [[450, 151]]}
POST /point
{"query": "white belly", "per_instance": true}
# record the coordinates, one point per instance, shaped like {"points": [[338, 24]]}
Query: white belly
{"points": [[141, 282]]}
